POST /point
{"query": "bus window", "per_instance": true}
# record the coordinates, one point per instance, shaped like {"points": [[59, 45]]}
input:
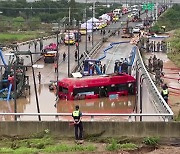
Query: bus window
{"points": [[65, 90], [89, 90], [60, 89], [113, 88], [122, 87]]}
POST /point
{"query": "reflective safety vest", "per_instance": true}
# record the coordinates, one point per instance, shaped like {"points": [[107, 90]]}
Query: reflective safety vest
{"points": [[165, 92], [76, 115]]}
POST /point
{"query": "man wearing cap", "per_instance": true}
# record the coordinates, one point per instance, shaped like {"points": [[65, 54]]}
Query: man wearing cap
{"points": [[77, 116]]}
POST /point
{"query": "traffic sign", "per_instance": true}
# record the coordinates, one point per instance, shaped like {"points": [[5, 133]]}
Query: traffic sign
{"points": [[148, 6]]}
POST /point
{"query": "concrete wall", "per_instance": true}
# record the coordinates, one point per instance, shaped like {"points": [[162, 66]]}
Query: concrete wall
{"points": [[110, 129]]}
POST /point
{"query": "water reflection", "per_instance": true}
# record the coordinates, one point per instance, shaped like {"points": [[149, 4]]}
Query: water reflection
{"points": [[123, 104], [103, 105], [6, 107], [47, 100]]}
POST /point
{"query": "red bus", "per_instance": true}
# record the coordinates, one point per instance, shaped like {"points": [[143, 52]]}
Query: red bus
{"points": [[96, 86]]}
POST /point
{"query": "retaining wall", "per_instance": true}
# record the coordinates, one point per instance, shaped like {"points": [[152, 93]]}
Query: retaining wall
{"points": [[108, 129]]}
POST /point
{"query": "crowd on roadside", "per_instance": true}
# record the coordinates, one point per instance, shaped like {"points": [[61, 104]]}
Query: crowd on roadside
{"points": [[155, 65], [153, 46]]}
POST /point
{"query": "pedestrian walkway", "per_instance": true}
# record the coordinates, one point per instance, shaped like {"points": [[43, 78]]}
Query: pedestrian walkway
{"points": [[171, 76]]}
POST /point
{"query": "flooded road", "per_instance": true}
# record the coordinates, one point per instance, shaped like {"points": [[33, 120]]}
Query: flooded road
{"points": [[48, 104]]}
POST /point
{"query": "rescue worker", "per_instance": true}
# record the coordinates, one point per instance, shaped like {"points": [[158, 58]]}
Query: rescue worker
{"points": [[78, 126], [104, 32], [158, 46], [76, 55], [151, 46], [158, 76], [55, 67], [116, 67], [165, 93], [125, 66], [41, 44], [118, 32], [155, 62], [89, 38], [150, 65], [39, 77], [104, 68], [64, 56], [147, 47], [161, 65], [158, 64], [154, 46], [35, 45]]}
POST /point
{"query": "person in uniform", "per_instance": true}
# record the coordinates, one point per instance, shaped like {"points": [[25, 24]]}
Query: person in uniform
{"points": [[154, 63], [78, 126], [39, 77], [165, 93], [64, 56], [76, 55], [147, 47], [158, 46], [158, 76], [154, 46], [150, 64], [151, 46]]}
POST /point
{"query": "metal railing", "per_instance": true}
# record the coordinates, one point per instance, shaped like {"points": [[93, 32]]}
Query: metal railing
{"points": [[131, 116]]}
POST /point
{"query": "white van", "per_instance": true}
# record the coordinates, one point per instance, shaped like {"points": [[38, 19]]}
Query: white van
{"points": [[117, 12]]}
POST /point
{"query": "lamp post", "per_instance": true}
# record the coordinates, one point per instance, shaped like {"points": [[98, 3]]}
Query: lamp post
{"points": [[79, 23], [15, 92], [35, 88], [68, 42], [57, 56]]}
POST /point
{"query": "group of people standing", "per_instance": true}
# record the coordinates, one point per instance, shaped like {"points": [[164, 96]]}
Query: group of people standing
{"points": [[154, 46], [155, 65], [121, 66]]}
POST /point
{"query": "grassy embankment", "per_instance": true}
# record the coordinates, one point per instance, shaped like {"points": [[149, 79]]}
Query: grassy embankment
{"points": [[170, 19], [6, 38], [44, 142]]}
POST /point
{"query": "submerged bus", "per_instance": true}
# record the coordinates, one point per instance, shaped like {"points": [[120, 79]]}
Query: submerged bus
{"points": [[96, 86]]}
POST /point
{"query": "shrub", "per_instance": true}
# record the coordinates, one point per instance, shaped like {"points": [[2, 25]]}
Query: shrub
{"points": [[153, 141]]}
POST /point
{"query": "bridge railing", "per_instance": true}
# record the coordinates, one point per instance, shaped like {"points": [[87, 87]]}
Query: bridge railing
{"points": [[154, 95], [58, 116]]}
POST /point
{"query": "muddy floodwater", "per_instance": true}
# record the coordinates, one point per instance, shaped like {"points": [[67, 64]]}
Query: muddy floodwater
{"points": [[48, 104]]}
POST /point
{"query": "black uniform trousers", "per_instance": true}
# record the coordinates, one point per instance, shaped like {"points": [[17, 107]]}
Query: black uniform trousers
{"points": [[78, 131]]}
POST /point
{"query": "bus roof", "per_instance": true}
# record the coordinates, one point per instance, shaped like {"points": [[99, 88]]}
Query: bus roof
{"points": [[96, 81]]}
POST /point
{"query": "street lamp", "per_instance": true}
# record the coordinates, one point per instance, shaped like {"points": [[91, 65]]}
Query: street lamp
{"points": [[57, 56], [68, 42]]}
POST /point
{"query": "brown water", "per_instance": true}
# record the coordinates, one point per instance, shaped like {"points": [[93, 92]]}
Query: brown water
{"points": [[47, 105]]}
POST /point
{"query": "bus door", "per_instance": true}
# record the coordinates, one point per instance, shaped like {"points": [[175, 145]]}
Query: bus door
{"points": [[103, 91], [131, 88]]}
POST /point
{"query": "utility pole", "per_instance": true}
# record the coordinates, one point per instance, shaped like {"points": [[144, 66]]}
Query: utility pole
{"points": [[68, 43], [35, 88], [93, 23], [86, 28], [15, 92], [57, 56]]}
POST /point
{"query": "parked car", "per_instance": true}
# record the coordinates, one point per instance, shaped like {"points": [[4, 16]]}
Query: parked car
{"points": [[141, 26], [136, 30]]}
